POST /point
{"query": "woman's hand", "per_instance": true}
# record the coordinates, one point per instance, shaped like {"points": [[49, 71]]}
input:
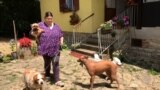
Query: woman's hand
{"points": [[40, 31], [37, 33], [61, 41]]}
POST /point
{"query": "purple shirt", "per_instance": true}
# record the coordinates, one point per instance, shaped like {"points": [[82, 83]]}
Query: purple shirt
{"points": [[49, 41]]}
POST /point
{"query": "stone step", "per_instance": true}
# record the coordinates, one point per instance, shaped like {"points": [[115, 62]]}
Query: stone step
{"points": [[104, 41], [89, 46], [85, 51]]}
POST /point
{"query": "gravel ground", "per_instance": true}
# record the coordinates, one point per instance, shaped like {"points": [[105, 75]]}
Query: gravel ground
{"points": [[74, 76]]}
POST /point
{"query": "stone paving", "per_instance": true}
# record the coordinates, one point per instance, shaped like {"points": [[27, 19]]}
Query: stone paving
{"points": [[76, 77]]}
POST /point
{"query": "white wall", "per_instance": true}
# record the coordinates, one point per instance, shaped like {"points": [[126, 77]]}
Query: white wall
{"points": [[151, 0], [149, 35]]}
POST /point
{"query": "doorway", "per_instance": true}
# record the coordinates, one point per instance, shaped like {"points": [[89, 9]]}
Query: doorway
{"points": [[110, 9], [113, 8]]}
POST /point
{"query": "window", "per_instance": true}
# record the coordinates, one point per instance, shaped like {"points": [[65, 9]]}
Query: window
{"points": [[69, 5], [110, 3]]}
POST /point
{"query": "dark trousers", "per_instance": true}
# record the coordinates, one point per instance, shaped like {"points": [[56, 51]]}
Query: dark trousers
{"points": [[55, 63]]}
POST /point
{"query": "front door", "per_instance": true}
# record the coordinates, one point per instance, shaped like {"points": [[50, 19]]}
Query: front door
{"points": [[110, 9]]}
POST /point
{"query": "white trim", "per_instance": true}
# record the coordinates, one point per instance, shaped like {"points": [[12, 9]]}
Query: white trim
{"points": [[147, 1]]}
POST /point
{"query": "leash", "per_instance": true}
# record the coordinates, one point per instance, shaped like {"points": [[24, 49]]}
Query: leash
{"points": [[53, 60], [55, 57]]}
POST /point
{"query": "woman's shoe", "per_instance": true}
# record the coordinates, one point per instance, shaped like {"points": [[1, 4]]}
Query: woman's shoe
{"points": [[48, 79], [59, 83]]}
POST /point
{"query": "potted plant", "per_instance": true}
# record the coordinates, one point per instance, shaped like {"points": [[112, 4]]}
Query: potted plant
{"points": [[126, 21], [6, 58], [13, 48], [121, 22], [106, 27], [74, 18], [1, 56], [117, 53], [113, 34], [34, 49], [25, 47]]}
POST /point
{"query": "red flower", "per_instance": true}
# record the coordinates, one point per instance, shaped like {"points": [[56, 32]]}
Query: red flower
{"points": [[25, 42]]}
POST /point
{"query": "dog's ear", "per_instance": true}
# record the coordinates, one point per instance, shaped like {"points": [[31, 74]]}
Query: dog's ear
{"points": [[34, 25], [35, 79], [82, 58], [44, 76]]}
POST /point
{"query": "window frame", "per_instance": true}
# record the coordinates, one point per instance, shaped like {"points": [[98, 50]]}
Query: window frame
{"points": [[63, 4]]}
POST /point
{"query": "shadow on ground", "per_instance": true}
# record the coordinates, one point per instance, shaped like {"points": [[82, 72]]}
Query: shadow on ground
{"points": [[150, 62], [96, 85]]}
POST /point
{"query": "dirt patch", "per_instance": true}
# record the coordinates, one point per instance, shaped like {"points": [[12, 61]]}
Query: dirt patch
{"points": [[4, 46], [74, 76]]}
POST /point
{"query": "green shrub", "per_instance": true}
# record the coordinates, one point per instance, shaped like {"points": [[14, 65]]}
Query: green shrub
{"points": [[153, 72], [34, 48], [6, 58], [64, 46]]}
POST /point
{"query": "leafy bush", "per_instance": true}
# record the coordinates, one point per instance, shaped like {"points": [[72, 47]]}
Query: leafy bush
{"points": [[12, 45], [1, 57], [107, 25], [153, 72], [64, 46], [121, 21], [113, 33], [6, 58], [34, 48]]}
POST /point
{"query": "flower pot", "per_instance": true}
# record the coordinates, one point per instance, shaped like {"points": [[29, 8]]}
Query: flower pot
{"points": [[113, 34], [14, 55], [119, 26], [103, 31], [1, 56], [25, 53]]}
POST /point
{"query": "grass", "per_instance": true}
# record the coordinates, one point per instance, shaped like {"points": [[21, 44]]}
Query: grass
{"points": [[74, 70], [18, 72], [61, 66], [131, 68], [63, 80], [153, 72], [11, 78], [73, 88]]}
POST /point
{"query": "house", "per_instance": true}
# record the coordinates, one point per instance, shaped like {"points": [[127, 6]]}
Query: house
{"points": [[143, 38], [85, 9]]}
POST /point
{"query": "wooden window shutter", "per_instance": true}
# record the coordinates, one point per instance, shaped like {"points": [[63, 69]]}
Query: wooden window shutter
{"points": [[76, 4], [61, 5]]}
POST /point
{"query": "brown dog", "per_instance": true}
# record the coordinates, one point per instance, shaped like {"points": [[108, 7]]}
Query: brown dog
{"points": [[96, 68], [33, 80], [36, 31]]}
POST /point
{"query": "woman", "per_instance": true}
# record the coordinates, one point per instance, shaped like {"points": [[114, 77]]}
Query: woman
{"points": [[49, 43]]}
